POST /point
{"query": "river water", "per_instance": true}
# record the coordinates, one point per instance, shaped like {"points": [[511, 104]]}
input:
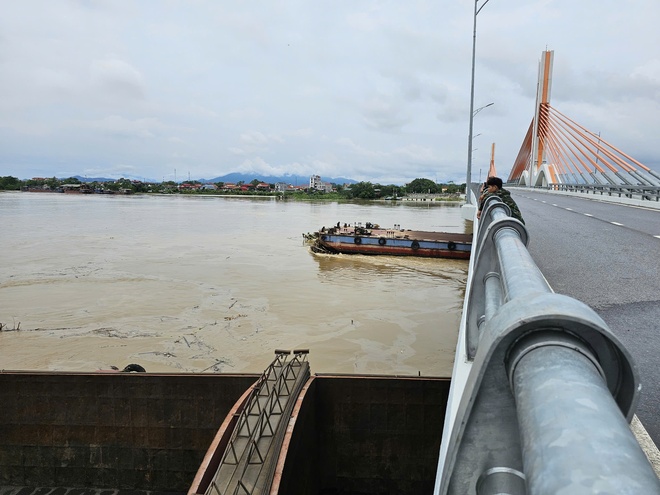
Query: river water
{"points": [[216, 284]]}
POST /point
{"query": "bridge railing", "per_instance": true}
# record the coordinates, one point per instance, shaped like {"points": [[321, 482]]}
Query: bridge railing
{"points": [[549, 390], [644, 193]]}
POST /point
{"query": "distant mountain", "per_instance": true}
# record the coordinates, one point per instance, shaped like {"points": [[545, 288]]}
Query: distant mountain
{"points": [[93, 179], [296, 180]]}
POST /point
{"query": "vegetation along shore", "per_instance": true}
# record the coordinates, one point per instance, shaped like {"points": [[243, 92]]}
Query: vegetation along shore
{"points": [[417, 188]]}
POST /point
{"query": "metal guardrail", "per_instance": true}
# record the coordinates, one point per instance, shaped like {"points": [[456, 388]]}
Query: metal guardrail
{"points": [[551, 390], [644, 193]]}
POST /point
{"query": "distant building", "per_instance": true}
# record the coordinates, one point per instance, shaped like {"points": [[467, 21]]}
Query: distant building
{"points": [[284, 187], [190, 187], [316, 184]]}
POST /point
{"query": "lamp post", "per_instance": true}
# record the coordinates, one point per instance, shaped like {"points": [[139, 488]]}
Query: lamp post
{"points": [[473, 112], [470, 150]]}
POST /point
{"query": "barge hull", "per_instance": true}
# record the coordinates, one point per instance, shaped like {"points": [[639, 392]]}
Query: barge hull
{"points": [[346, 248], [396, 243], [147, 433]]}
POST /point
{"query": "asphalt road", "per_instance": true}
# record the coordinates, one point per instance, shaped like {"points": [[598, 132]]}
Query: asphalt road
{"points": [[607, 256]]}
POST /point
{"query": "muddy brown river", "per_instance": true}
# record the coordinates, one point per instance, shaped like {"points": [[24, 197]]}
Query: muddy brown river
{"points": [[216, 284]]}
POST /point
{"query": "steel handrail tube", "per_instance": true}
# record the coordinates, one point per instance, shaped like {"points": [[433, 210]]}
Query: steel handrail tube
{"points": [[520, 275], [498, 213], [495, 216], [574, 438], [493, 292]]}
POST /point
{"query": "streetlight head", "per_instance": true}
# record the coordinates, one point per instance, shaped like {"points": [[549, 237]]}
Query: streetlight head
{"points": [[481, 108]]}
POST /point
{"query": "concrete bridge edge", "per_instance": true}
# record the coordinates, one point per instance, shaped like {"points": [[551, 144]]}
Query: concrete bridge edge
{"points": [[646, 443]]}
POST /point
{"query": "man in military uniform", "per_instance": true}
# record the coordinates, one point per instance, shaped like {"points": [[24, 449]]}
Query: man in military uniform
{"points": [[494, 187]]}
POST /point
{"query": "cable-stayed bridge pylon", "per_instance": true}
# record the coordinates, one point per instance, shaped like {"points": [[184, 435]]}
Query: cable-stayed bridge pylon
{"points": [[558, 150]]}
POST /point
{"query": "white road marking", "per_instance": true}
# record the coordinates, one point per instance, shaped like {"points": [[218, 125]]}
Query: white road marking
{"points": [[658, 236], [569, 209], [588, 215], [617, 223], [554, 204]]}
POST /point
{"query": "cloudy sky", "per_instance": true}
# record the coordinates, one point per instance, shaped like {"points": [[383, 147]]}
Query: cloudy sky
{"points": [[370, 90]]}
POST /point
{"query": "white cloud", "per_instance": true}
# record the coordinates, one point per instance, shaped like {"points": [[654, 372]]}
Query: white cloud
{"points": [[117, 78], [117, 126], [384, 114], [373, 91]]}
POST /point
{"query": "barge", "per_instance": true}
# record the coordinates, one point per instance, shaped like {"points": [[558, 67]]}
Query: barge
{"points": [[287, 432], [373, 240]]}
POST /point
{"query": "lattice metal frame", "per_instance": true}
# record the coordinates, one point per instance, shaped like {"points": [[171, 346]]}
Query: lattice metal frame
{"points": [[258, 425]]}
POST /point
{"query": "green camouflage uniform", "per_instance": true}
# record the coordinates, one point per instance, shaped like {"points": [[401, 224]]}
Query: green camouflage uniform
{"points": [[506, 198]]}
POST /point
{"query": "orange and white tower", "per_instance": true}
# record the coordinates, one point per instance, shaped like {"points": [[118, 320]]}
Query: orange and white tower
{"points": [[539, 171]]}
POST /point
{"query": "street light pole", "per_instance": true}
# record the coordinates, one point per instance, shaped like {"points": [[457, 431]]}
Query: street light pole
{"points": [[468, 180]]}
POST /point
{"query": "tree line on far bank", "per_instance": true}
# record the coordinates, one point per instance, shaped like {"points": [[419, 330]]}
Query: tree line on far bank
{"points": [[360, 190], [367, 190]]}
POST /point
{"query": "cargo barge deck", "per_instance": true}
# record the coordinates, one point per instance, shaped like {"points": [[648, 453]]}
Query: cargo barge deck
{"points": [[372, 240]]}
